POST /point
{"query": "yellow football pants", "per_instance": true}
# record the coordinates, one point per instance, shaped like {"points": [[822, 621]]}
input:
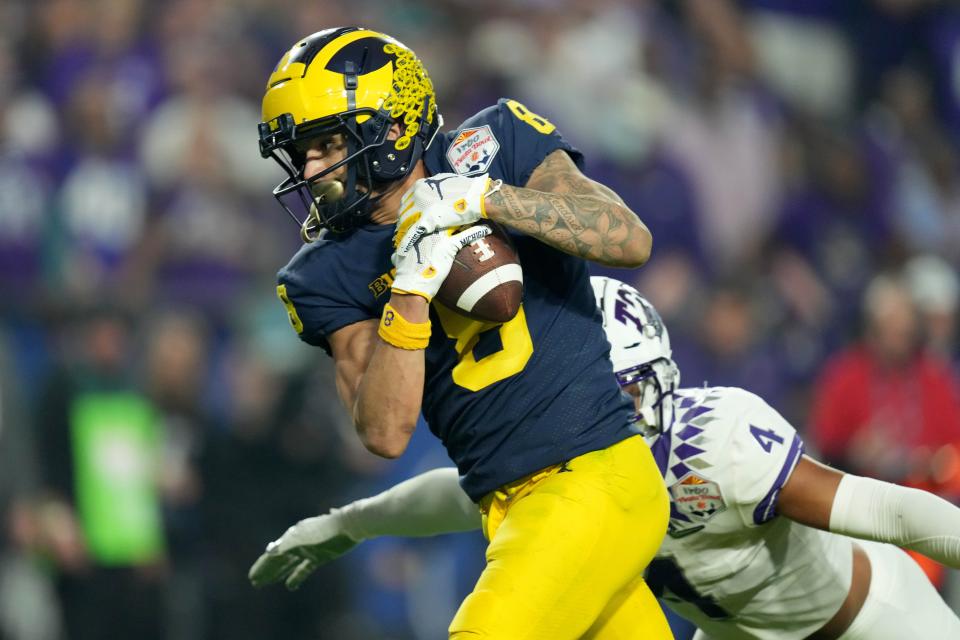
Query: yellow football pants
{"points": [[568, 546]]}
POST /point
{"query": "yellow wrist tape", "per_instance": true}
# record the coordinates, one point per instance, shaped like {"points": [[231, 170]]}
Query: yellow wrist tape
{"points": [[491, 188], [400, 332]]}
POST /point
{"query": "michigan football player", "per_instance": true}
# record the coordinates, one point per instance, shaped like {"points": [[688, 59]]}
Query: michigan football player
{"points": [[544, 441]]}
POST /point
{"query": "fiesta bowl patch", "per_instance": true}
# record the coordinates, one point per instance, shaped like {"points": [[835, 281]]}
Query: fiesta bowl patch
{"points": [[697, 498], [472, 150]]}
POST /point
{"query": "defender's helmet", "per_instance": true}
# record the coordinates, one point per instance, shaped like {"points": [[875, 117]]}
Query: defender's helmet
{"points": [[640, 350], [353, 82]]}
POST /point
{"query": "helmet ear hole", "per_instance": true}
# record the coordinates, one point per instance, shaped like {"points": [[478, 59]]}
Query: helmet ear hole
{"points": [[387, 162]]}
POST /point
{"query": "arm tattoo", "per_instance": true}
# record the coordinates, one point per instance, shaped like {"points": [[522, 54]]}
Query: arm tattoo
{"points": [[565, 209]]}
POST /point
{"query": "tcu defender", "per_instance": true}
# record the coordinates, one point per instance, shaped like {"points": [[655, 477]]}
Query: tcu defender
{"points": [[350, 114], [752, 550]]}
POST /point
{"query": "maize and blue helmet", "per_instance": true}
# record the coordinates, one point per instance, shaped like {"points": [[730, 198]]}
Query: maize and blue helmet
{"points": [[353, 82]]}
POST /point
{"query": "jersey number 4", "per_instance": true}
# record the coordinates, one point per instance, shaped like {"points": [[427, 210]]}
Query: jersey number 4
{"points": [[766, 437]]}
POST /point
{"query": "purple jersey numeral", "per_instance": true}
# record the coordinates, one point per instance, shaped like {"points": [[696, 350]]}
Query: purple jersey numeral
{"points": [[765, 437]]}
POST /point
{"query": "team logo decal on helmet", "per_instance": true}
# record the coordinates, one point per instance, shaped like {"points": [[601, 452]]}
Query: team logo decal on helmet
{"points": [[345, 88]]}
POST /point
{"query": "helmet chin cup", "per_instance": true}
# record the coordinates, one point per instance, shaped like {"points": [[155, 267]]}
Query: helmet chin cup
{"points": [[324, 192], [327, 191]]}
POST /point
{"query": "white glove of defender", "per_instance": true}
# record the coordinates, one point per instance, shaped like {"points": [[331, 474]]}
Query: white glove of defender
{"points": [[305, 546], [423, 267], [425, 505], [442, 201]]}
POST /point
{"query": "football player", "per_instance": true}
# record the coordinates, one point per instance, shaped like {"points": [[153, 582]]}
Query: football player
{"points": [[753, 549], [385, 200]]}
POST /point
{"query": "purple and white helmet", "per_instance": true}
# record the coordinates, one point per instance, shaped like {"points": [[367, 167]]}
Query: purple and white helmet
{"points": [[640, 351]]}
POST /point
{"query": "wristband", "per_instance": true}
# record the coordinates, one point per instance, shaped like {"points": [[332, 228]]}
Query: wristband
{"points": [[494, 187], [398, 331]]}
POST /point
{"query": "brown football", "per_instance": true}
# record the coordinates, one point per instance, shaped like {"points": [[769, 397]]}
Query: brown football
{"points": [[485, 282]]}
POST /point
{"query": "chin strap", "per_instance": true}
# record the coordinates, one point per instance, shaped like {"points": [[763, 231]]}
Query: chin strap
{"points": [[311, 229]]}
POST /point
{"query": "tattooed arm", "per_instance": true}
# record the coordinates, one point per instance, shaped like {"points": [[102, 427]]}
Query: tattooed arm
{"points": [[570, 212]]}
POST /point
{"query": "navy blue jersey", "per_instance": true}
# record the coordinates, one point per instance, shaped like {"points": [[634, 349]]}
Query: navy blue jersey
{"points": [[506, 400]]}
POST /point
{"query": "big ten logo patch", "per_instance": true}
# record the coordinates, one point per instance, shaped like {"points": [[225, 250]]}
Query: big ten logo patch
{"points": [[382, 284], [482, 250]]}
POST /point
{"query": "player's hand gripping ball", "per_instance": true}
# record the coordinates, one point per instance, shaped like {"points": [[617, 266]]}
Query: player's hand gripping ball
{"points": [[422, 268], [442, 201], [484, 281]]}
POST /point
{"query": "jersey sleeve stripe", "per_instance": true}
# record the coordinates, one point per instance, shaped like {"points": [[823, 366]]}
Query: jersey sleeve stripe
{"points": [[661, 452], [766, 508]]}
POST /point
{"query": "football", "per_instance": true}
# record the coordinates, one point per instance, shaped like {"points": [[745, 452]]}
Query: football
{"points": [[485, 282]]}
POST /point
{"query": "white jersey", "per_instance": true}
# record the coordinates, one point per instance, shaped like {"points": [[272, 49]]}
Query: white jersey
{"points": [[728, 563]]}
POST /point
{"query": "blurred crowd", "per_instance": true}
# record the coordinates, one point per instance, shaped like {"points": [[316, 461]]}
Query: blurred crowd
{"points": [[796, 160]]}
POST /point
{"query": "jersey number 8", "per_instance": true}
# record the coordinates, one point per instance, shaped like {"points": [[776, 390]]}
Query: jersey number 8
{"points": [[523, 114], [473, 374]]}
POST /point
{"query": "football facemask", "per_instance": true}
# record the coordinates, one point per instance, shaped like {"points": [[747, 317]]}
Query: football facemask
{"points": [[647, 385], [337, 198]]}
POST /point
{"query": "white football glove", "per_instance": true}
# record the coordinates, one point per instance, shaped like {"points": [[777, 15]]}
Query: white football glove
{"points": [[442, 201], [423, 267], [305, 546]]}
